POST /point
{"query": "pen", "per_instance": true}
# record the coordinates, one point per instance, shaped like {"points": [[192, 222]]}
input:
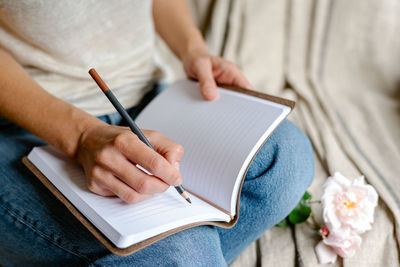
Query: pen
{"points": [[135, 129]]}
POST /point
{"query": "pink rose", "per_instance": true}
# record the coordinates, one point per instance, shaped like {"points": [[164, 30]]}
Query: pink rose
{"points": [[348, 210], [324, 231], [342, 242], [325, 254], [348, 203]]}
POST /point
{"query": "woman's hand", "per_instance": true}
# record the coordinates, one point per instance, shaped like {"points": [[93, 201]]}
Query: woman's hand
{"points": [[173, 23], [209, 70], [109, 154]]}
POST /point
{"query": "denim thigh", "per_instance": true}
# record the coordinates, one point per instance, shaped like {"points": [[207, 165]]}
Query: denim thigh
{"points": [[36, 229]]}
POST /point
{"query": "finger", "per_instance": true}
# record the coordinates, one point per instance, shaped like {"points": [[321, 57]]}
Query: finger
{"points": [[92, 185], [208, 87], [135, 178], [136, 151], [100, 189], [240, 80], [170, 150], [227, 72], [103, 178]]}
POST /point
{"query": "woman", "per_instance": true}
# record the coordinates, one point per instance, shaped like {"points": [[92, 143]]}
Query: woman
{"points": [[46, 49]]}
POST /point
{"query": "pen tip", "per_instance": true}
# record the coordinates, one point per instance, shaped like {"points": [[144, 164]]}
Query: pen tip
{"points": [[185, 196]]}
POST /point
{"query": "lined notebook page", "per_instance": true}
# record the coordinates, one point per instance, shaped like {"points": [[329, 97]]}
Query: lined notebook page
{"points": [[124, 224], [219, 137]]}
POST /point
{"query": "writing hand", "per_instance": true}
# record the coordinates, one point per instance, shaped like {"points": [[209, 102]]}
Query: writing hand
{"points": [[109, 154]]}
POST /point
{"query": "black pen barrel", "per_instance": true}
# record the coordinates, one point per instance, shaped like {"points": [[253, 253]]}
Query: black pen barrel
{"points": [[127, 118]]}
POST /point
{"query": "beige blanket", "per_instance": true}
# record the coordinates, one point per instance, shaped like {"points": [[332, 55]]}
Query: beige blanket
{"points": [[340, 61]]}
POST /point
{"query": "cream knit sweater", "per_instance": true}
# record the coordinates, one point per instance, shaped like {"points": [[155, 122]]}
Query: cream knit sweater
{"points": [[58, 41]]}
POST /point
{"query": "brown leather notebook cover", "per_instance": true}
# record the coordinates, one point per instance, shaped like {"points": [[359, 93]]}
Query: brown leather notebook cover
{"points": [[135, 247]]}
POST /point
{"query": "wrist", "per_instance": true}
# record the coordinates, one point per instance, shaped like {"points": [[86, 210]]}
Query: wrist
{"points": [[195, 45], [70, 125], [85, 128]]}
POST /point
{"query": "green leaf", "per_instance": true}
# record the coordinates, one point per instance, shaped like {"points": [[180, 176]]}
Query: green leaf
{"points": [[283, 223], [306, 196], [300, 213]]}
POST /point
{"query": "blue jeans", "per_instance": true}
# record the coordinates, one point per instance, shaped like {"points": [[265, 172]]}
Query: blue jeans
{"points": [[37, 230]]}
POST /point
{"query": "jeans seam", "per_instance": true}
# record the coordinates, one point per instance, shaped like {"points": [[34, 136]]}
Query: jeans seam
{"points": [[43, 235]]}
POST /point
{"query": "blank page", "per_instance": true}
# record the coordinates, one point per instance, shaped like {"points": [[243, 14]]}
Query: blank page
{"points": [[124, 224], [219, 137]]}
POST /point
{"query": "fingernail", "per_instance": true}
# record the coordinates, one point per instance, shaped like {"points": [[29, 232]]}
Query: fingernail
{"points": [[178, 182], [210, 93], [177, 165]]}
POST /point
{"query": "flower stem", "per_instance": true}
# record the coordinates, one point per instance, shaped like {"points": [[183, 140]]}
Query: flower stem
{"points": [[315, 222], [314, 201]]}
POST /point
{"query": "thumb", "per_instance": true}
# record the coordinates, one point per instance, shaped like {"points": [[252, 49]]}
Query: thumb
{"points": [[208, 87]]}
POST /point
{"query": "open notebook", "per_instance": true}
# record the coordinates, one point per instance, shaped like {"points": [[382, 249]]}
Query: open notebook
{"points": [[220, 139]]}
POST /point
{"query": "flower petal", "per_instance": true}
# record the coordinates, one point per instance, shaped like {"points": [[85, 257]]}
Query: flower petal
{"points": [[342, 180], [325, 254], [348, 203]]}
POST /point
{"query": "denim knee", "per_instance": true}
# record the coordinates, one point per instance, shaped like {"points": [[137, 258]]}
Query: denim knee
{"points": [[294, 163], [276, 180], [292, 143], [282, 170]]}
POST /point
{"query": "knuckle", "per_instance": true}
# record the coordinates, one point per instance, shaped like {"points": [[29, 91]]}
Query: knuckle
{"points": [[101, 156], [121, 139], [155, 163], [143, 186], [130, 197], [95, 172]]}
